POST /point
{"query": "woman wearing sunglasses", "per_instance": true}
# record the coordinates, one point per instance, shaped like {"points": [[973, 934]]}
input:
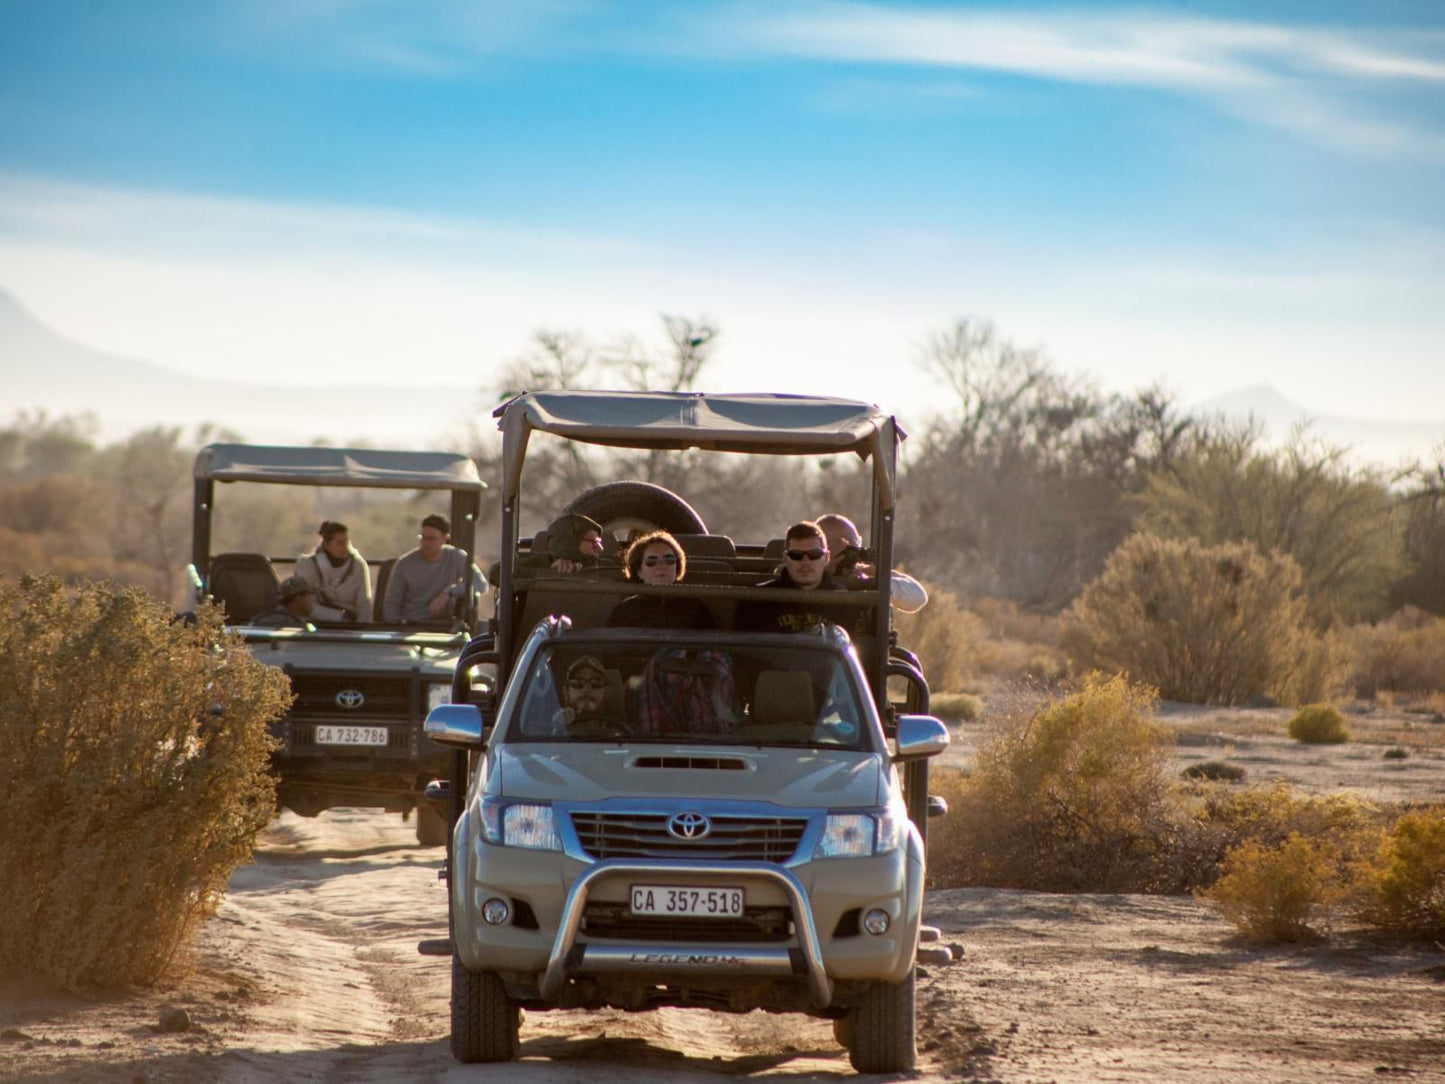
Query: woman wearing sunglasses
{"points": [[656, 559]]}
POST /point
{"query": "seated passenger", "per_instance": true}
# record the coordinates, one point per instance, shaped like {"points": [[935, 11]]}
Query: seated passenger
{"points": [[805, 569], [339, 574], [574, 543], [427, 582], [684, 692], [845, 564], [296, 600], [657, 558]]}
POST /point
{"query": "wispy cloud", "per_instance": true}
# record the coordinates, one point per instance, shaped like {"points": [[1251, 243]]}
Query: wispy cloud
{"points": [[1327, 86]]}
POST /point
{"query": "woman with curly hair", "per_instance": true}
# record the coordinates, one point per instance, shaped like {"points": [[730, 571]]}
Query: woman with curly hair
{"points": [[656, 559]]}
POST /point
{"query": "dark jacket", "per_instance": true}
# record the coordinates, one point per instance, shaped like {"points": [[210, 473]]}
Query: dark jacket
{"points": [[660, 612], [759, 615]]}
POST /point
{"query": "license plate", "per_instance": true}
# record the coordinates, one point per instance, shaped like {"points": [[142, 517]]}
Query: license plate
{"points": [[687, 902], [351, 735]]}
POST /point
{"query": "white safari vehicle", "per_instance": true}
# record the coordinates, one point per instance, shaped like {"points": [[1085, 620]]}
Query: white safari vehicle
{"points": [[738, 825]]}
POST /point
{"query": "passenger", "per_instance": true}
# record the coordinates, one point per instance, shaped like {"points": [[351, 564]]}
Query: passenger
{"points": [[805, 568], [296, 599], [845, 549], [574, 543], [339, 574], [427, 582], [657, 558]]}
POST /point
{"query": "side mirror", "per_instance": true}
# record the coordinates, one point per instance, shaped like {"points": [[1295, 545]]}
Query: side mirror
{"points": [[454, 724], [920, 736]]}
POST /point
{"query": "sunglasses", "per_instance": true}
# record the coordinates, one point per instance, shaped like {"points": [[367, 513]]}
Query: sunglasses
{"points": [[805, 555], [594, 683], [665, 559]]}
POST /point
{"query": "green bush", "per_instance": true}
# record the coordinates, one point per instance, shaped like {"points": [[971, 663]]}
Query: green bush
{"points": [[1402, 888], [136, 777], [1075, 798], [1319, 724], [1206, 625], [1279, 892]]}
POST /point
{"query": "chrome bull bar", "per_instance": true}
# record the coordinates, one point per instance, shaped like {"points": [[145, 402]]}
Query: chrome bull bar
{"points": [[568, 956]]}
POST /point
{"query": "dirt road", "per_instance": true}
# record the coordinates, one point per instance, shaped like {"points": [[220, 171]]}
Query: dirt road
{"points": [[310, 972]]}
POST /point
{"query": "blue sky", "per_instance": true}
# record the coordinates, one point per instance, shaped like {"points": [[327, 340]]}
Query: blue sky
{"points": [[1210, 195]]}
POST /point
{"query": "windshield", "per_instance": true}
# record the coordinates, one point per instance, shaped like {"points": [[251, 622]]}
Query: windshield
{"points": [[734, 694]]}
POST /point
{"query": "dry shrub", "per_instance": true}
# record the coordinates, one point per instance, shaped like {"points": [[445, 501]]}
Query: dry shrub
{"points": [[1279, 892], [1405, 654], [964, 707], [1017, 643], [1402, 888], [1203, 624], [1075, 798], [945, 638], [136, 778], [1319, 724]]}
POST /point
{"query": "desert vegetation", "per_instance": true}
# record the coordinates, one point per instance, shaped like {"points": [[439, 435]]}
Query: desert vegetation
{"points": [[136, 777]]}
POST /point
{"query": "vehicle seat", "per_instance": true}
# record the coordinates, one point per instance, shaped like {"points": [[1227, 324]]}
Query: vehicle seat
{"points": [[383, 580], [244, 583], [784, 698], [708, 552]]}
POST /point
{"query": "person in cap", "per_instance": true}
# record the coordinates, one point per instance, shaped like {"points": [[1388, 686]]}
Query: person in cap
{"points": [[295, 601], [586, 692]]}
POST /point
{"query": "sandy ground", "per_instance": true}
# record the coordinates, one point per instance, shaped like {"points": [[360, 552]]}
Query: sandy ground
{"points": [[310, 972]]}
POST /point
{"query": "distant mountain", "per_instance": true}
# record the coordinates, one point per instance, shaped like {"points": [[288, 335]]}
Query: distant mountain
{"points": [[41, 370], [1383, 442]]}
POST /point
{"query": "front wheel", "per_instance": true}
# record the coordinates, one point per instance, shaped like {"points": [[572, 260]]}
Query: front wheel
{"points": [[486, 1022], [880, 1033]]}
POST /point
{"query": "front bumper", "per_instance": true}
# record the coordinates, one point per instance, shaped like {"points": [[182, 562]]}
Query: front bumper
{"points": [[823, 944]]}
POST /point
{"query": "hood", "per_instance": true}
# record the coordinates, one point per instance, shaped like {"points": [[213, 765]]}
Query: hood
{"points": [[798, 778], [565, 533]]}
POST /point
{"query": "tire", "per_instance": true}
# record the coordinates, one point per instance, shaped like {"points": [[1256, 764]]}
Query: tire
{"points": [[485, 1021], [431, 825], [625, 506], [881, 1031]]}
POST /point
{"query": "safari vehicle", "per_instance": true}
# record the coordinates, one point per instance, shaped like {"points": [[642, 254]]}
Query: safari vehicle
{"points": [[738, 826], [353, 736]]}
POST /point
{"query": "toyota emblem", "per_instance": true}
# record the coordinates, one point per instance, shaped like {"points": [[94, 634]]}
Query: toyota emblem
{"points": [[688, 826], [350, 699]]}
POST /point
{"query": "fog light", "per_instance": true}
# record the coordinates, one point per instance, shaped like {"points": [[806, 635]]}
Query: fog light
{"points": [[495, 912], [876, 922]]}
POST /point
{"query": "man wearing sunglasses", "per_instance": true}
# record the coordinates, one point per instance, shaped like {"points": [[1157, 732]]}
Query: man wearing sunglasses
{"points": [[585, 696], [805, 568]]}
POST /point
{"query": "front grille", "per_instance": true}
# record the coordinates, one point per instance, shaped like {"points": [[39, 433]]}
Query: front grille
{"points": [[758, 924], [385, 699], [645, 835]]}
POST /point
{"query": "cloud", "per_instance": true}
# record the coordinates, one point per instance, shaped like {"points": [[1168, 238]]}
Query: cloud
{"points": [[1329, 87]]}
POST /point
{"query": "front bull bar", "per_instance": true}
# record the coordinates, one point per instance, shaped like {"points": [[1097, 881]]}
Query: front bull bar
{"points": [[570, 957]]}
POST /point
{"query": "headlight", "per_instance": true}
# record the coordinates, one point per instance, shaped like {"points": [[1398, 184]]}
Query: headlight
{"points": [[860, 835], [438, 694], [520, 824]]}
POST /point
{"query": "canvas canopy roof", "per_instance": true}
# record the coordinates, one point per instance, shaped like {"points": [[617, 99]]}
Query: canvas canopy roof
{"points": [[769, 424], [337, 467]]}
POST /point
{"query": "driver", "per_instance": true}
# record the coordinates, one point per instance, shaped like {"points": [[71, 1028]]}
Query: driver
{"points": [[585, 692]]}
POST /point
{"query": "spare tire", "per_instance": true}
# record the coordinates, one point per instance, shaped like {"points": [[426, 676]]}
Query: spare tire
{"points": [[625, 507]]}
